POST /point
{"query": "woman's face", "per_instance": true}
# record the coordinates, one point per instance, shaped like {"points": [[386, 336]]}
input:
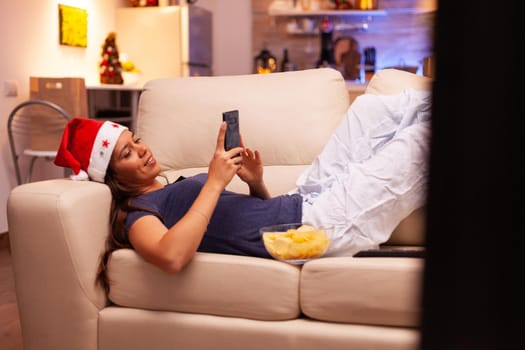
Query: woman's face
{"points": [[133, 161]]}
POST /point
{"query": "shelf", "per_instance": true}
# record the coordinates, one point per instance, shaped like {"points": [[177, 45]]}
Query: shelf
{"points": [[300, 32], [410, 11], [297, 31], [338, 13]]}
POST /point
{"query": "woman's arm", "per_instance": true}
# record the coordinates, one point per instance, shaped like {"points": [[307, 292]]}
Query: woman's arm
{"points": [[259, 190], [172, 248]]}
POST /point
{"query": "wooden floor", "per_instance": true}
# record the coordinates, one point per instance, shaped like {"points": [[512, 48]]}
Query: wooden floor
{"points": [[10, 336]]}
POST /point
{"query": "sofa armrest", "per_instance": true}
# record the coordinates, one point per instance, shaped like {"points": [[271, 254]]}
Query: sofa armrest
{"points": [[393, 81], [411, 230], [57, 231]]}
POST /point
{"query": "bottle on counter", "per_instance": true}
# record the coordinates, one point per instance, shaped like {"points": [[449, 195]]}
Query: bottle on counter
{"points": [[369, 62], [326, 57], [286, 64]]}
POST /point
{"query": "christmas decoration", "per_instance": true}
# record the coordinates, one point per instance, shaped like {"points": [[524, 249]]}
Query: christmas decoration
{"points": [[142, 3], [86, 147], [110, 66]]}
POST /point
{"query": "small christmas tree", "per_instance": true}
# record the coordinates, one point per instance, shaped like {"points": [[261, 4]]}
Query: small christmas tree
{"points": [[110, 67]]}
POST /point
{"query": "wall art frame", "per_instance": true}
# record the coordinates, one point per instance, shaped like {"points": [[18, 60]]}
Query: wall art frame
{"points": [[73, 25]]}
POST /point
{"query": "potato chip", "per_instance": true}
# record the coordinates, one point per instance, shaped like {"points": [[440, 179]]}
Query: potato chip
{"points": [[305, 242]]}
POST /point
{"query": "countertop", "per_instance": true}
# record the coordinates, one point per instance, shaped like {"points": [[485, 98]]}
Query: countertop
{"points": [[356, 86]]}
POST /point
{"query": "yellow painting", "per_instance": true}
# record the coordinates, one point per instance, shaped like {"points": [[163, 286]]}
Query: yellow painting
{"points": [[73, 26]]}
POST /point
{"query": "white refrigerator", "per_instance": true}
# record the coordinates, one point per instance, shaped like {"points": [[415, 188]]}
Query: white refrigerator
{"points": [[166, 41]]}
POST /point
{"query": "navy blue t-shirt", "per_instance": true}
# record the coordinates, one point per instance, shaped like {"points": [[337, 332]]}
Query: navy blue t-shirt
{"points": [[234, 225]]}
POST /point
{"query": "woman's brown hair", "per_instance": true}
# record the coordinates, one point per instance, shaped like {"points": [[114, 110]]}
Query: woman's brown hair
{"points": [[121, 197]]}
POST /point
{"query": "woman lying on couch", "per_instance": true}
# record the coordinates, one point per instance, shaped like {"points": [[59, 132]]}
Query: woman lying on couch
{"points": [[371, 174]]}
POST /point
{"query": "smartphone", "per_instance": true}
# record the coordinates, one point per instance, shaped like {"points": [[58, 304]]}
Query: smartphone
{"points": [[232, 138]]}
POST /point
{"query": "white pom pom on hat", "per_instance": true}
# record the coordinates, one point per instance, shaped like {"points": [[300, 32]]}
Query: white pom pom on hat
{"points": [[86, 147]]}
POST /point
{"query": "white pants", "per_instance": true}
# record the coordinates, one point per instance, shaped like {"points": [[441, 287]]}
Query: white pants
{"points": [[372, 173]]}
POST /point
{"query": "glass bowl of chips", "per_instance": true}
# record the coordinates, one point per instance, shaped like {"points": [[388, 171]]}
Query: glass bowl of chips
{"points": [[294, 243]]}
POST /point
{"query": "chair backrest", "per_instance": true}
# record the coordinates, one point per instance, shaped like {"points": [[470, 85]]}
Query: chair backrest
{"points": [[35, 129]]}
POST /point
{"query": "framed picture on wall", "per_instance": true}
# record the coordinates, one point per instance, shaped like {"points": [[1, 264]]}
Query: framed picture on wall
{"points": [[72, 25]]}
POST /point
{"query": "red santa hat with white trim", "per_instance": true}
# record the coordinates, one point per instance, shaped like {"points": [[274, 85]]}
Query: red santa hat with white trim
{"points": [[86, 147]]}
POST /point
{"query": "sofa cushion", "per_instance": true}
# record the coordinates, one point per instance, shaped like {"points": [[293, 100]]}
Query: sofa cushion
{"points": [[215, 284], [288, 128], [375, 291]]}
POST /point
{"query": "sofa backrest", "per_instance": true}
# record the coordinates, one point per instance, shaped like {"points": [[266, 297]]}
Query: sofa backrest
{"points": [[287, 116]]}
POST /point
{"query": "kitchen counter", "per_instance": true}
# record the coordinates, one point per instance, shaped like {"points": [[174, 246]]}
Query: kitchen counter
{"points": [[353, 85], [355, 89]]}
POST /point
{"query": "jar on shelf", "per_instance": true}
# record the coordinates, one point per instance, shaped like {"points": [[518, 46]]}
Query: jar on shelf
{"points": [[366, 4], [265, 62]]}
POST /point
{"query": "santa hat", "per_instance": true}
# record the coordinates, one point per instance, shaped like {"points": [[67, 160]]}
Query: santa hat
{"points": [[86, 147]]}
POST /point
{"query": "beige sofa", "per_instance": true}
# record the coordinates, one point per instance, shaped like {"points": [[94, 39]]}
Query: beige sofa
{"points": [[57, 230]]}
